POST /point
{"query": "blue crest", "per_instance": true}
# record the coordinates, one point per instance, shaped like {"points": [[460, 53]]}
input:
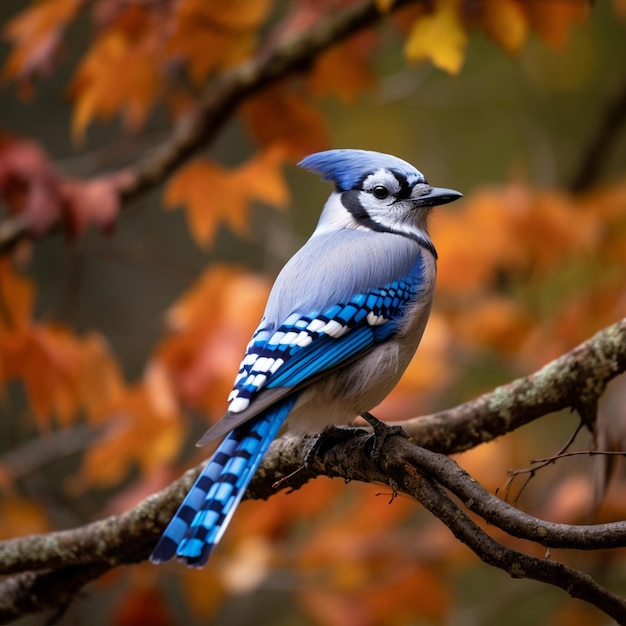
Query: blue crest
{"points": [[347, 168]]}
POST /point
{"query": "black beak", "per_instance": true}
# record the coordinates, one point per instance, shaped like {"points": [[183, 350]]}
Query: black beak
{"points": [[434, 196]]}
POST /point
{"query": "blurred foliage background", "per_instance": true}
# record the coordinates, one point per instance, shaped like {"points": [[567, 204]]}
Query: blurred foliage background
{"points": [[152, 318]]}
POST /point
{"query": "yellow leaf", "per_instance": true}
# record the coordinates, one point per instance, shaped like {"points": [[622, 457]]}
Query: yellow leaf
{"points": [[440, 37]]}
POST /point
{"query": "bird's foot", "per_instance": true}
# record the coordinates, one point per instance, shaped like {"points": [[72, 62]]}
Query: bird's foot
{"points": [[376, 441], [327, 439]]}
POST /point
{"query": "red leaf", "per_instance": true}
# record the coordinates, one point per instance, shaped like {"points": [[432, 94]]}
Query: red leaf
{"points": [[93, 202], [29, 184]]}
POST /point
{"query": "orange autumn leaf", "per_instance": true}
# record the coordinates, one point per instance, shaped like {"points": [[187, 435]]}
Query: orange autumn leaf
{"points": [[119, 73], [608, 207], [19, 517], [61, 372], [574, 319], [281, 116], [553, 21], [211, 325], [272, 518], [494, 322], [541, 216], [408, 591], [17, 296], [210, 35], [439, 36], [47, 360], [203, 590], [143, 604], [430, 369], [508, 228], [506, 22], [212, 195], [345, 69], [143, 432], [100, 381], [36, 33]]}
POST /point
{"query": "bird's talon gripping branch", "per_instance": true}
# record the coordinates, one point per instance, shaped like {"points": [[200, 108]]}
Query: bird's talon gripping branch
{"points": [[377, 440], [330, 437]]}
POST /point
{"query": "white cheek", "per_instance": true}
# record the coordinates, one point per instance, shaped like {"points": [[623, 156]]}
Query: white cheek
{"points": [[373, 206]]}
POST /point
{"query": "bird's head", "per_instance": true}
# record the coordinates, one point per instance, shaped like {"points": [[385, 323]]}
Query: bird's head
{"points": [[376, 191]]}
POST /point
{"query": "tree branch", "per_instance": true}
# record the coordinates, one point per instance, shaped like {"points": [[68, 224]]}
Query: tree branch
{"points": [[220, 100], [64, 561], [515, 563], [574, 381]]}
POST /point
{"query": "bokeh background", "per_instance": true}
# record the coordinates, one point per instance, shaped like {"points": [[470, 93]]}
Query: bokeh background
{"points": [[527, 270]]}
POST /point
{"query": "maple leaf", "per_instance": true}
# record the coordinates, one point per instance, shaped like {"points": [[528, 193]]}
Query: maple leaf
{"points": [[554, 20], [209, 35], [439, 36], [44, 359], [210, 327], [61, 373], [36, 33], [99, 379], [120, 72], [280, 116], [506, 22], [345, 69], [144, 432], [213, 195], [17, 296]]}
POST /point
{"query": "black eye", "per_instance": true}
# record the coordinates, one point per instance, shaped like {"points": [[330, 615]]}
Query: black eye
{"points": [[380, 192]]}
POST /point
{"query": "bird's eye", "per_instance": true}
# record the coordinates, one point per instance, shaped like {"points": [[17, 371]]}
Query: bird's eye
{"points": [[380, 192]]}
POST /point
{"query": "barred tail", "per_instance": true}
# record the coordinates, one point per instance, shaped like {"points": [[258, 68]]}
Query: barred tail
{"points": [[206, 511]]}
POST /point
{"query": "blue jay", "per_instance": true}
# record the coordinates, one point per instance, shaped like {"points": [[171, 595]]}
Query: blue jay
{"points": [[341, 324]]}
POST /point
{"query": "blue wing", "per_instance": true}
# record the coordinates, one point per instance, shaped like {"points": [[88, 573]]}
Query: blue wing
{"points": [[305, 346]]}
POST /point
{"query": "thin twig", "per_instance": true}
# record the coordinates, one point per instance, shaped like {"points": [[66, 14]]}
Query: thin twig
{"points": [[532, 471]]}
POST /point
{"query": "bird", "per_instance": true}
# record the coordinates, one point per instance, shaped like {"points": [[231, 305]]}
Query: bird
{"points": [[342, 322]]}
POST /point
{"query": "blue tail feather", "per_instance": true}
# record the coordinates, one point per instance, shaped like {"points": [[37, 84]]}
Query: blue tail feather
{"points": [[204, 514]]}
